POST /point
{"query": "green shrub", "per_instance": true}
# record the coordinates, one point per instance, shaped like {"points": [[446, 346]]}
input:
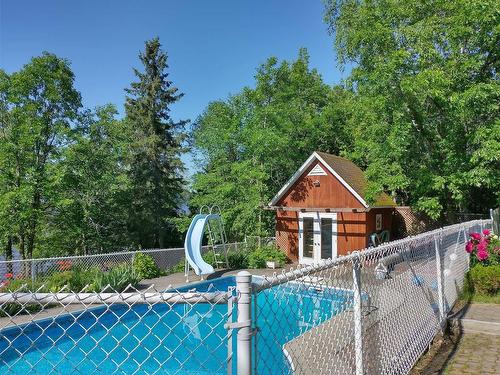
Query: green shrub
{"points": [[118, 278], [179, 267], [145, 266], [258, 257], [13, 309], [21, 285], [237, 260], [75, 280], [209, 257], [56, 281], [483, 280]]}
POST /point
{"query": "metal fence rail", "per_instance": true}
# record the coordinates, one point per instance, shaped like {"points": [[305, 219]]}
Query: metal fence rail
{"points": [[371, 312], [165, 259]]}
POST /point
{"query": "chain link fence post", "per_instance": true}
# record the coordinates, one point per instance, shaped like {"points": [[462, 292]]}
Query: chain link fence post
{"points": [[244, 323], [440, 277], [358, 317]]}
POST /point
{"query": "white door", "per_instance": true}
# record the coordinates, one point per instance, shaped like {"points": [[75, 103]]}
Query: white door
{"points": [[317, 236]]}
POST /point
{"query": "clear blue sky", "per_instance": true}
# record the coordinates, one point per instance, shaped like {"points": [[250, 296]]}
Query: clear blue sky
{"points": [[214, 47]]}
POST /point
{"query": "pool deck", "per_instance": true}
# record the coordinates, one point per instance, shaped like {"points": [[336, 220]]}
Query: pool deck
{"points": [[176, 280]]}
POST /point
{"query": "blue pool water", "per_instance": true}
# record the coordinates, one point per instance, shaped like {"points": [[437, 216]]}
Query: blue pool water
{"points": [[166, 339]]}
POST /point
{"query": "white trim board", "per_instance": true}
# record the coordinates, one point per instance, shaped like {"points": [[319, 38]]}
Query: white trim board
{"points": [[300, 172]]}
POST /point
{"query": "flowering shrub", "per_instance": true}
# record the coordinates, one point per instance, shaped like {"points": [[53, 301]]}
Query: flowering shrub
{"points": [[484, 248], [64, 265]]}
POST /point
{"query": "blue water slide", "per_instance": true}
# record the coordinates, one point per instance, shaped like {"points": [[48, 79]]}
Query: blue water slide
{"points": [[193, 243]]}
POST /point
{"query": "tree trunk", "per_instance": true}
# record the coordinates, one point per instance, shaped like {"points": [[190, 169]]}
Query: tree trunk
{"points": [[35, 206], [22, 246], [8, 254]]}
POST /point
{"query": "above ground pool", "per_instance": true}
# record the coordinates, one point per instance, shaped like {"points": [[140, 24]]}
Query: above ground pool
{"points": [[163, 338]]}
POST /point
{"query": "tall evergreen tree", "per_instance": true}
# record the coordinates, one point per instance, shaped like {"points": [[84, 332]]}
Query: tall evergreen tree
{"points": [[155, 165]]}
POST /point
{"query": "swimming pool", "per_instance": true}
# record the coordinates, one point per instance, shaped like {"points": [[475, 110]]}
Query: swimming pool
{"points": [[166, 339]]}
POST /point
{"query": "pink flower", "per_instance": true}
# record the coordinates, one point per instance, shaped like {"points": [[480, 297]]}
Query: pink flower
{"points": [[475, 236], [482, 245], [482, 255], [486, 232], [469, 247], [9, 275]]}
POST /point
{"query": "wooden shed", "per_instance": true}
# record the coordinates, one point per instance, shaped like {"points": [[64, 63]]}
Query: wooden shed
{"points": [[321, 212]]}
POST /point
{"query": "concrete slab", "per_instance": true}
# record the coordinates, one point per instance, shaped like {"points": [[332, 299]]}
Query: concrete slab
{"points": [[486, 312], [176, 280]]}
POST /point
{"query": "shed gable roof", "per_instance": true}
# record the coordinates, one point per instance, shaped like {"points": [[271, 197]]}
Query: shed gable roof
{"points": [[348, 173]]}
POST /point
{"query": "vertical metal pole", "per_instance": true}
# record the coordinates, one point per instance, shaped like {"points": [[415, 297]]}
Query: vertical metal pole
{"points": [[230, 353], [255, 352], [358, 317], [186, 270], [33, 271], [440, 277], [244, 338]]}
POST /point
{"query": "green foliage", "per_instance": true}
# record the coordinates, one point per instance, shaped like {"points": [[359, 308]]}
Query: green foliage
{"points": [[13, 309], [76, 181], [39, 105], [94, 279], [57, 280], [237, 260], [483, 280], [155, 166], [75, 280], [116, 279], [210, 258], [21, 285], [145, 266], [424, 115], [93, 190], [179, 267], [258, 257], [251, 143]]}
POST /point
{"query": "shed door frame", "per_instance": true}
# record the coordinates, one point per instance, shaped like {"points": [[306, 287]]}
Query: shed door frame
{"points": [[317, 218]]}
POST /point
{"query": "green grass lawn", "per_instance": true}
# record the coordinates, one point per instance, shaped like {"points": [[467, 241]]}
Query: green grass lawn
{"points": [[480, 298]]}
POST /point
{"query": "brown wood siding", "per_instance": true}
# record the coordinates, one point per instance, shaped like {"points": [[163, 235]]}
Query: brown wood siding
{"points": [[330, 193], [351, 232], [287, 233], [351, 227]]}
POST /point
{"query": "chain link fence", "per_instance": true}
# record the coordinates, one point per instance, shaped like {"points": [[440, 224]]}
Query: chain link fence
{"points": [[165, 259], [139, 332], [371, 312]]}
